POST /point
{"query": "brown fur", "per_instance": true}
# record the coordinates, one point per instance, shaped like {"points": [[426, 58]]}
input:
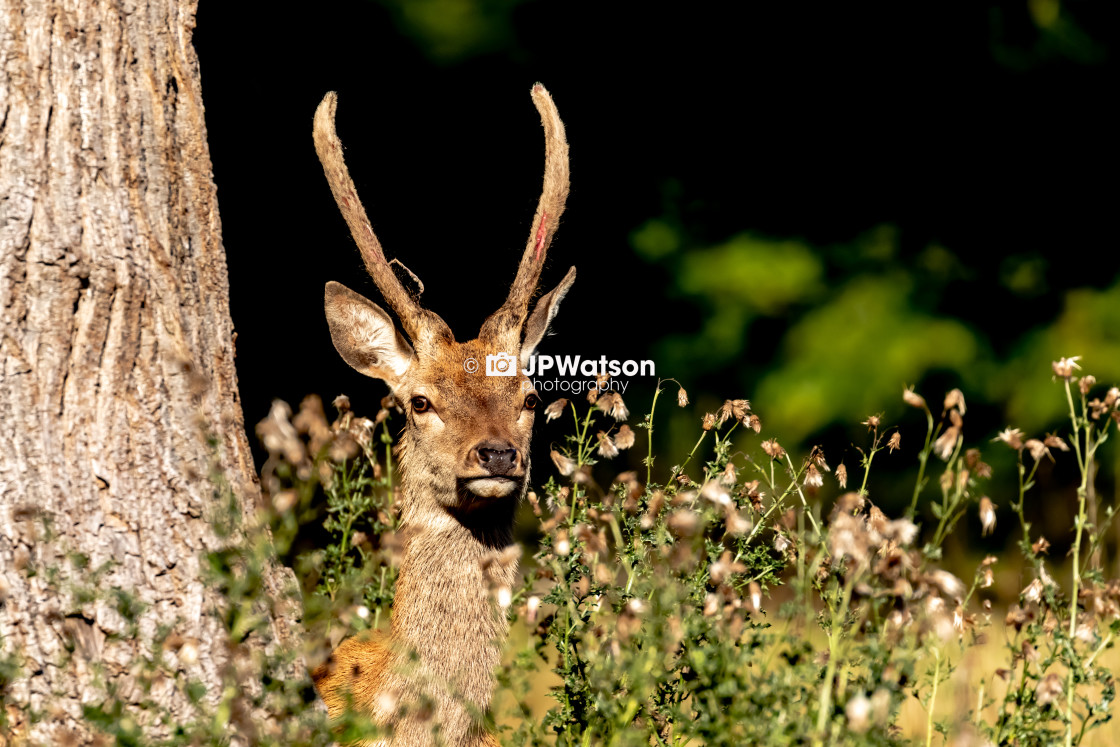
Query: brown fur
{"points": [[431, 679]]}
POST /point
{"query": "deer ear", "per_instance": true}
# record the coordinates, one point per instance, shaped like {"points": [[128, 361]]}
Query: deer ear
{"points": [[537, 324], [365, 337]]}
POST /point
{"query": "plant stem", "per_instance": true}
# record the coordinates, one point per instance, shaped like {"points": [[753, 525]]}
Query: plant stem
{"points": [[923, 457], [933, 695], [825, 707], [1079, 525]]}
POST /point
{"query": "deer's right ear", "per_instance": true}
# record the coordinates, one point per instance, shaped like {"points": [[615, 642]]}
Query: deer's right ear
{"points": [[365, 337]]}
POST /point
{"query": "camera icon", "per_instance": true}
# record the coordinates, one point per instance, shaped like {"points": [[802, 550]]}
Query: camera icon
{"points": [[501, 364]]}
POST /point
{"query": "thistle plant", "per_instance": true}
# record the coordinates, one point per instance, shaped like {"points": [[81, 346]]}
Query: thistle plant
{"points": [[738, 593]]}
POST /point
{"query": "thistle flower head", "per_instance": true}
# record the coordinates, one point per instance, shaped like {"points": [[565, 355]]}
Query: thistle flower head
{"points": [[555, 410], [1065, 367], [565, 465], [611, 403], [607, 448], [624, 439], [1013, 437], [773, 449], [987, 516], [910, 397]]}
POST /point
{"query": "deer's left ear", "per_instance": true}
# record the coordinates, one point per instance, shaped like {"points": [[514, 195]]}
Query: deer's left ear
{"points": [[537, 324]]}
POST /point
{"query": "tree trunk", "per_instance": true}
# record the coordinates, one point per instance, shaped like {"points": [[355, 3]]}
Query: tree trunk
{"points": [[118, 395]]}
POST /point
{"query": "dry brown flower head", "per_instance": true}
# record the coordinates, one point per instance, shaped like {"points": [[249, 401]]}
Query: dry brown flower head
{"points": [[1065, 367], [555, 409], [624, 439], [913, 399], [773, 449]]}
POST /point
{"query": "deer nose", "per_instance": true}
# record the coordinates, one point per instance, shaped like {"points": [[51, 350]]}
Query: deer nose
{"points": [[497, 459]]}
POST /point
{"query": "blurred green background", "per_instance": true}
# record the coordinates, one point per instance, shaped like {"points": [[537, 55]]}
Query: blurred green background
{"points": [[810, 207]]}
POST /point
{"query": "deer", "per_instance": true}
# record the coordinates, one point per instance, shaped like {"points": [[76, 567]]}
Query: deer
{"points": [[463, 458]]}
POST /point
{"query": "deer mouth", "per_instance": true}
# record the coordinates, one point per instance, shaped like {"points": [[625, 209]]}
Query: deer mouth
{"points": [[494, 486]]}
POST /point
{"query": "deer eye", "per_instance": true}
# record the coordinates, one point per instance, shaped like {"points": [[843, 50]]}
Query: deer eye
{"points": [[532, 401], [421, 404]]}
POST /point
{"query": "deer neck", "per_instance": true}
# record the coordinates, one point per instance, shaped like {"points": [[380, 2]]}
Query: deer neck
{"points": [[444, 610]]}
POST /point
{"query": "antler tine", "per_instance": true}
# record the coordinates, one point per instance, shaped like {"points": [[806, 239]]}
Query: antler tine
{"points": [[507, 321], [417, 322]]}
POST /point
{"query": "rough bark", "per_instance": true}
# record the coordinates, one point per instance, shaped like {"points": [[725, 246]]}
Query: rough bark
{"points": [[118, 395]]}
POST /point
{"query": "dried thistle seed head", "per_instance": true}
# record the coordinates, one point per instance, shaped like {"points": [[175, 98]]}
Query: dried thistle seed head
{"points": [[813, 478], [913, 399], [1017, 617], [532, 606], [601, 381], [1065, 367], [740, 410], [858, 713], [284, 501], [624, 439], [946, 443], [716, 493], [682, 397], [755, 591], [1048, 690], [816, 456], [565, 465], [555, 410], [873, 421], [562, 546], [949, 585], [987, 516], [342, 404], [1033, 592], [729, 474], [1055, 442], [847, 536], [1041, 547], [611, 403], [1013, 437], [724, 413], [1037, 449], [720, 570], [849, 503], [683, 522], [1112, 397], [754, 423], [782, 543], [607, 448], [1087, 382], [773, 449], [842, 475], [709, 421], [735, 523], [955, 399], [895, 442]]}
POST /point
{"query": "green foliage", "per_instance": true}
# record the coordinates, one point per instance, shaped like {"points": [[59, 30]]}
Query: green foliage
{"points": [[723, 604]]}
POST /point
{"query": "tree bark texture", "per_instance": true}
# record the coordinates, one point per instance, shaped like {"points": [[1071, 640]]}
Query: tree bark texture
{"points": [[116, 359]]}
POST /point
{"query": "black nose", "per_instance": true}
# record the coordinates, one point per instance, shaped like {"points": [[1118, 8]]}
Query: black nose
{"points": [[497, 459]]}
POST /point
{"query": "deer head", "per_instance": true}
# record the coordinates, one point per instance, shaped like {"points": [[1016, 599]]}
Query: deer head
{"points": [[466, 440]]}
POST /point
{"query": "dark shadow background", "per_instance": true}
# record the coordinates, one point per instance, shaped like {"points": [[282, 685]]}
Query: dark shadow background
{"points": [[983, 130]]}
